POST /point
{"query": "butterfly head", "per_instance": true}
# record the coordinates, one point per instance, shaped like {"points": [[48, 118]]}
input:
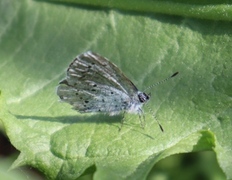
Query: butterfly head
{"points": [[143, 97]]}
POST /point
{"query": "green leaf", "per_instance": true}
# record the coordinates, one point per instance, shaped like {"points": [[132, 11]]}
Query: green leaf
{"points": [[207, 9], [39, 40]]}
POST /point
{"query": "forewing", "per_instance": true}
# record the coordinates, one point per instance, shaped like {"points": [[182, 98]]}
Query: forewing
{"points": [[90, 65]]}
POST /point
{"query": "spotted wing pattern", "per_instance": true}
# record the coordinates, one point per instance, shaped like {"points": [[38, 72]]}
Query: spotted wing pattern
{"points": [[94, 84]]}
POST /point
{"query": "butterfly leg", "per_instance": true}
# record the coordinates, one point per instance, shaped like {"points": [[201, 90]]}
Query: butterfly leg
{"points": [[154, 116], [141, 118], [122, 120]]}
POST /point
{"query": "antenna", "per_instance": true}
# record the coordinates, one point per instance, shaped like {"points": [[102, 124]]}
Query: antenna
{"points": [[160, 82]]}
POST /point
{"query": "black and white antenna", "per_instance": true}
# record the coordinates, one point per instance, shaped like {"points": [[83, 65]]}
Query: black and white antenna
{"points": [[160, 82], [150, 110]]}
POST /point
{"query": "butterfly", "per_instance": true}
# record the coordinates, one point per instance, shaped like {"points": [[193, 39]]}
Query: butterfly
{"points": [[94, 84]]}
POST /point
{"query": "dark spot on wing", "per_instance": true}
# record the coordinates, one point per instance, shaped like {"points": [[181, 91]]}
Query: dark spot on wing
{"points": [[64, 82], [93, 89], [61, 97], [99, 110], [94, 85], [86, 101], [82, 77], [81, 97], [77, 94], [125, 102], [103, 100], [112, 92]]}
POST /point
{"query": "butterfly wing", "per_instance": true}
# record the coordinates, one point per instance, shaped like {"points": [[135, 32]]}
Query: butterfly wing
{"points": [[95, 84]]}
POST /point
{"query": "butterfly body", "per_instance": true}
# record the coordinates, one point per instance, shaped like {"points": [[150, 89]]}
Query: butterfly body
{"points": [[94, 84]]}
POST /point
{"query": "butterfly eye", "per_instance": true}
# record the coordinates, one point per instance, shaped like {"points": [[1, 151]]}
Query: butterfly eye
{"points": [[143, 97]]}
